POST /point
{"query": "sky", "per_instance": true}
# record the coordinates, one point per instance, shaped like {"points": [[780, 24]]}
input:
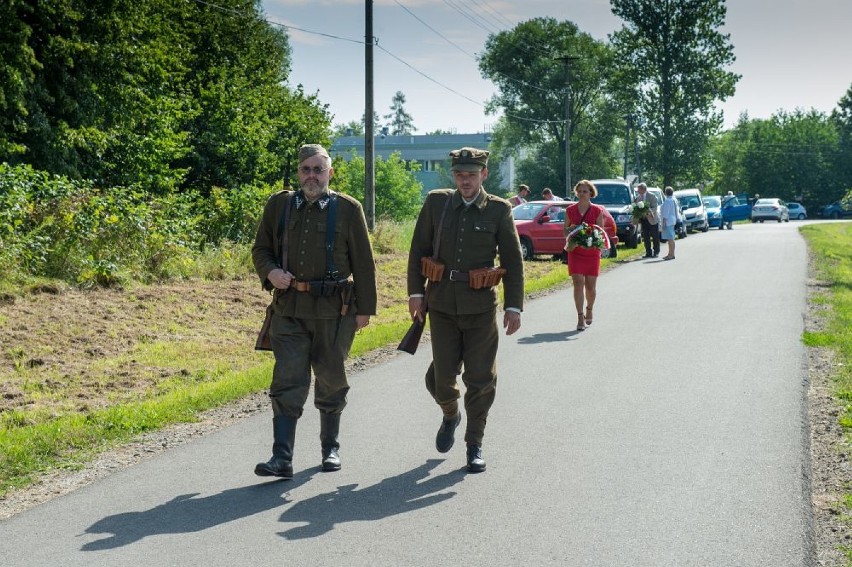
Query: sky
{"points": [[791, 54]]}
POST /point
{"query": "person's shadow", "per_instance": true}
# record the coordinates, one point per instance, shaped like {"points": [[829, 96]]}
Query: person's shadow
{"points": [[547, 337], [186, 513], [394, 495]]}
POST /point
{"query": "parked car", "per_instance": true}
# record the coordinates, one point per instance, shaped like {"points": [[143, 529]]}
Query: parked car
{"points": [[770, 209], [797, 211], [734, 208], [692, 207], [617, 196], [540, 227], [836, 210], [713, 206]]}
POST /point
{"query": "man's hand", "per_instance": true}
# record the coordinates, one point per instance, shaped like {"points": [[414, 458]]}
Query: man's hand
{"points": [[280, 279], [361, 321], [511, 321], [415, 308]]}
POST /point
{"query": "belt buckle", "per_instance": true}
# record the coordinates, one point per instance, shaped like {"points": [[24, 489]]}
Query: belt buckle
{"points": [[452, 273]]}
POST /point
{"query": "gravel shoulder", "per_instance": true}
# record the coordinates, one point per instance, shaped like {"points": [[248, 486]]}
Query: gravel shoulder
{"points": [[830, 473]]}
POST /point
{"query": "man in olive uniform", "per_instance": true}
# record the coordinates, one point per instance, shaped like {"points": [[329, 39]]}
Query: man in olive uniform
{"points": [[475, 226], [320, 301]]}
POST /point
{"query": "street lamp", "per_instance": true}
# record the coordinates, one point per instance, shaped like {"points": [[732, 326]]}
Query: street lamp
{"points": [[567, 60]]}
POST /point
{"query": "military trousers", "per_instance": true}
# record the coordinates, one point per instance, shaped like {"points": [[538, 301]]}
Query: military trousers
{"points": [[650, 237], [301, 345], [468, 342]]}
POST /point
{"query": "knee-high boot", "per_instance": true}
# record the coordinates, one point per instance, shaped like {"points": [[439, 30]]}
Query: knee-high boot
{"points": [[284, 435], [329, 430]]}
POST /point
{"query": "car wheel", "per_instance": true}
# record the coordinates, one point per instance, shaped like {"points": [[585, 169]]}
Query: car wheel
{"points": [[753, 220], [705, 228], [633, 241], [613, 251], [835, 215], [801, 216], [526, 248]]}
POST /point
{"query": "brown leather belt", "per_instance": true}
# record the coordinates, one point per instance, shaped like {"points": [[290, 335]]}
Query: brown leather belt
{"points": [[457, 276], [300, 285]]}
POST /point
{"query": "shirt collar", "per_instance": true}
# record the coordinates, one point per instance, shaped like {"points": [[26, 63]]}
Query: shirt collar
{"points": [[478, 201], [322, 202]]}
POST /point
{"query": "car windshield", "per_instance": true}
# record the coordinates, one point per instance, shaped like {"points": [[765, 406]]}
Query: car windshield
{"points": [[612, 195], [689, 201], [527, 211], [765, 202], [712, 202]]}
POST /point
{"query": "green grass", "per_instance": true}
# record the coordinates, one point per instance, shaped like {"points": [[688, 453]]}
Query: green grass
{"points": [[831, 245]]}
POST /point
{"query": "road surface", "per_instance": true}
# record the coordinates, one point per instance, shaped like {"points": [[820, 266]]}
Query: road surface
{"points": [[671, 433]]}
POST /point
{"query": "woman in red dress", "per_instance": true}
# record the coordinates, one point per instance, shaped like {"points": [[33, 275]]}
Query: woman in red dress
{"points": [[584, 264]]}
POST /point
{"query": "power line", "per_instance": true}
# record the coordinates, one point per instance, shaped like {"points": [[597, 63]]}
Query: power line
{"points": [[361, 42]]}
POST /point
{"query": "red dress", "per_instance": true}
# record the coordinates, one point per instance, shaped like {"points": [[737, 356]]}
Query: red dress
{"points": [[583, 261]]}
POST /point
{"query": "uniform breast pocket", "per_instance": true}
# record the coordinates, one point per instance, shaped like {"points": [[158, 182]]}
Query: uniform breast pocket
{"points": [[483, 231]]}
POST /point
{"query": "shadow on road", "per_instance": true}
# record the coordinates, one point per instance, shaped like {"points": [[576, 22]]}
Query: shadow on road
{"points": [[186, 513], [548, 337], [395, 495]]}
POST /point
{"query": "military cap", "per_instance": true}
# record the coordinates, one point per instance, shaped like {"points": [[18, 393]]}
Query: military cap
{"points": [[311, 150], [469, 159]]}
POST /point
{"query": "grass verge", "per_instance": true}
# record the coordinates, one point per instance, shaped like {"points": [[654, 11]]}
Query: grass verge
{"points": [[831, 247]]}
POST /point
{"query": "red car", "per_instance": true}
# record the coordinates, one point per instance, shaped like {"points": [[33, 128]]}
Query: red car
{"points": [[540, 227]]}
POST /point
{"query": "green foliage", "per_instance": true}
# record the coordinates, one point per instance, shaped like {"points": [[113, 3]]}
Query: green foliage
{"points": [[398, 193], [52, 227], [524, 64], [400, 122], [793, 156], [159, 95], [671, 60]]}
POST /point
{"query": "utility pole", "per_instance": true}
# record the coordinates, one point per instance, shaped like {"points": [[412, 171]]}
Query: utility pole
{"points": [[567, 59], [369, 137]]}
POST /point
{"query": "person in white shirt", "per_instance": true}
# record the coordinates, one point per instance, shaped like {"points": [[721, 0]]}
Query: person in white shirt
{"points": [[668, 218]]}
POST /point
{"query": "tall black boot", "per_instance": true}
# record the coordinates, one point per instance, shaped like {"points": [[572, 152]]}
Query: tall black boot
{"points": [[329, 430], [284, 435]]}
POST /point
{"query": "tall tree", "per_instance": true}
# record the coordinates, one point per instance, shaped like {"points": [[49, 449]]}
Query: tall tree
{"points": [[842, 117], [790, 155], [399, 121], [527, 64], [672, 59]]}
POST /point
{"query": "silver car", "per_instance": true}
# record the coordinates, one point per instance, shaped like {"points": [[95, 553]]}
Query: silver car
{"points": [[770, 209]]}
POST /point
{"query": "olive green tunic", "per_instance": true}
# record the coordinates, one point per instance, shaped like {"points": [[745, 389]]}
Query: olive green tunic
{"points": [[462, 320], [307, 332]]}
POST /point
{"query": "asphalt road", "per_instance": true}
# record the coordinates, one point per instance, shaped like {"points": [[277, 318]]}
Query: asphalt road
{"points": [[670, 433]]}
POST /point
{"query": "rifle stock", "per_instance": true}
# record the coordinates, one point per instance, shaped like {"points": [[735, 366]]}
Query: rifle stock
{"points": [[411, 339]]}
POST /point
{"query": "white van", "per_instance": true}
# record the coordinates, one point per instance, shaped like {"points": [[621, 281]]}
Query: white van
{"points": [[692, 207]]}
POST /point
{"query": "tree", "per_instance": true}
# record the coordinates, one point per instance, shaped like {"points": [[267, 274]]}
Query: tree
{"points": [[351, 128], [792, 156], [842, 118], [671, 60], [526, 65], [400, 122], [398, 193]]}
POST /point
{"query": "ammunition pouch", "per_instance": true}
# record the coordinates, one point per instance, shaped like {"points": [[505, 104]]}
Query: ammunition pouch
{"points": [[485, 277], [328, 287], [431, 269]]}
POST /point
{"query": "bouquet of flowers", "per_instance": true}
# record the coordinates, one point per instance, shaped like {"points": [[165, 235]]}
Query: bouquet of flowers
{"points": [[588, 236], [639, 210]]}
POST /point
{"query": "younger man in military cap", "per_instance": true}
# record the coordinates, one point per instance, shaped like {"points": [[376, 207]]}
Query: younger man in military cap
{"points": [[320, 301], [463, 229]]}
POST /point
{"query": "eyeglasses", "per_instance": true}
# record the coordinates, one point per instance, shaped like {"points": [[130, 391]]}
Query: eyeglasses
{"points": [[316, 170]]}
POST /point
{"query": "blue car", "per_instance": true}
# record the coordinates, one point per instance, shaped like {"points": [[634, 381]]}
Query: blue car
{"points": [[713, 205], [733, 209]]}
